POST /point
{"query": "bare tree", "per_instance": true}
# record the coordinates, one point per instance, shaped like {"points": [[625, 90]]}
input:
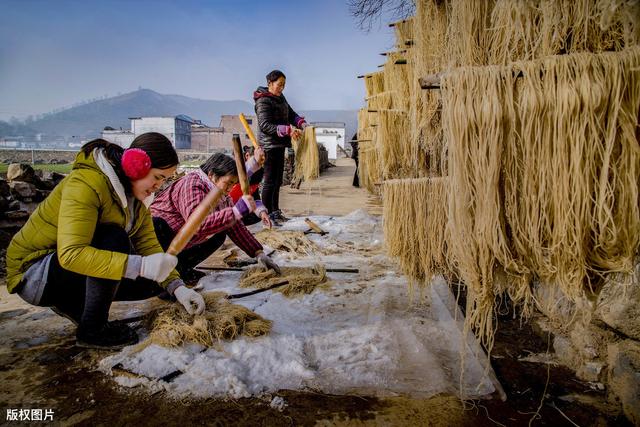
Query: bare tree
{"points": [[366, 12]]}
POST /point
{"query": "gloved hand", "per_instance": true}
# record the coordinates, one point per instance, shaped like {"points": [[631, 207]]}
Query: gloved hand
{"points": [[259, 155], [157, 267], [244, 206], [190, 300], [300, 122], [266, 221], [267, 262], [284, 130]]}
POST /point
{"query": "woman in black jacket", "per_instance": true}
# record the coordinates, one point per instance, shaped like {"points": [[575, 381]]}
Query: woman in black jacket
{"points": [[277, 124]]}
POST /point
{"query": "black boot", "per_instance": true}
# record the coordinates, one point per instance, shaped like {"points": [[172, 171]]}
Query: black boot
{"points": [[111, 336], [280, 216], [275, 221]]}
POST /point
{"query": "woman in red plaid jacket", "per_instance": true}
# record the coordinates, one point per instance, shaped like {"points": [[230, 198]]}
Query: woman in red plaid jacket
{"points": [[174, 205]]}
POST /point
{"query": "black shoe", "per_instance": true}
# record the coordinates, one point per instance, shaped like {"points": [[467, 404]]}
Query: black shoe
{"points": [[73, 318], [112, 336], [280, 216], [274, 220]]}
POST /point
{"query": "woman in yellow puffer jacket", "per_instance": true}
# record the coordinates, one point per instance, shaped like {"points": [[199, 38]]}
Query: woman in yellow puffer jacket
{"points": [[91, 241]]}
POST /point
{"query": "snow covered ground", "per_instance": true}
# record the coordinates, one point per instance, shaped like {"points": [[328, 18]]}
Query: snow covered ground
{"points": [[363, 333]]}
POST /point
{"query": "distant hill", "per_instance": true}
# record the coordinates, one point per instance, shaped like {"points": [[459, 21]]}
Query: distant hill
{"points": [[86, 121], [89, 119]]}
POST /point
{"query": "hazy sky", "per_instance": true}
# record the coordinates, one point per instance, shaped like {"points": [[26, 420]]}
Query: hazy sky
{"points": [[54, 53]]}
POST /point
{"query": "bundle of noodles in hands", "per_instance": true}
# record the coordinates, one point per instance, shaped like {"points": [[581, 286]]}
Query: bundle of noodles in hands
{"points": [[307, 162], [172, 326], [301, 280]]}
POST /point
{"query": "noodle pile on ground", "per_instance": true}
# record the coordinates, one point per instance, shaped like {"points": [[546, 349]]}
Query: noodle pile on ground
{"points": [[289, 241], [302, 280], [172, 326]]}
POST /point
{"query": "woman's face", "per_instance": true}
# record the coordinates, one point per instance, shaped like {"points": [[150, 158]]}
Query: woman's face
{"points": [[224, 183], [276, 87], [144, 187]]}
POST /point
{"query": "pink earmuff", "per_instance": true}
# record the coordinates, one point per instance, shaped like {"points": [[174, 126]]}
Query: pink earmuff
{"points": [[136, 163]]}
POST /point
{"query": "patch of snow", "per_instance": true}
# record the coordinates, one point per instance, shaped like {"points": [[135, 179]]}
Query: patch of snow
{"points": [[361, 333]]}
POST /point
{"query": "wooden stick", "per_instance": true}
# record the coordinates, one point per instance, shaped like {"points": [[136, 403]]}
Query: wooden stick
{"points": [[194, 221], [242, 171], [247, 128], [432, 81], [328, 270], [315, 227], [257, 291]]}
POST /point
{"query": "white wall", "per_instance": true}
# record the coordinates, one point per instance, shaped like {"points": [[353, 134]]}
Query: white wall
{"points": [[163, 125], [331, 137], [122, 138]]}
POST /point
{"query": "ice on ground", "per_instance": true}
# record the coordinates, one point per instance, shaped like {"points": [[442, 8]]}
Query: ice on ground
{"points": [[362, 334]]}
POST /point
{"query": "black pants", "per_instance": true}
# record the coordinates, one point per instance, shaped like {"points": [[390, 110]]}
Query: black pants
{"points": [[188, 258], [356, 178], [272, 181], [88, 299]]}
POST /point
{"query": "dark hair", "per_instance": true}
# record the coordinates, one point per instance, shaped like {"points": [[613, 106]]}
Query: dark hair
{"points": [[275, 75], [159, 149], [156, 145], [248, 149], [220, 165]]}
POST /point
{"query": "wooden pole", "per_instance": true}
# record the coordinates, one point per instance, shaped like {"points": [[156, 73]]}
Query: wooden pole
{"points": [[247, 128], [242, 172], [194, 221]]}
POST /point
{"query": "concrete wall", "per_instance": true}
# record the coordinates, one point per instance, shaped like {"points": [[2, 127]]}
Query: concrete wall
{"points": [[331, 138], [207, 139], [122, 138]]}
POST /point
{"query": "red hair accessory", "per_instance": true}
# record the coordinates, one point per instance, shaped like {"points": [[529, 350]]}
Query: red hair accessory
{"points": [[136, 163]]}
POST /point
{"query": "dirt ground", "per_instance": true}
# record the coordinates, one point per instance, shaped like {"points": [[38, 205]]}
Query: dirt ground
{"points": [[53, 373]]}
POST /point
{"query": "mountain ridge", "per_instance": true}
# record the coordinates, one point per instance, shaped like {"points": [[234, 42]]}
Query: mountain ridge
{"points": [[87, 120]]}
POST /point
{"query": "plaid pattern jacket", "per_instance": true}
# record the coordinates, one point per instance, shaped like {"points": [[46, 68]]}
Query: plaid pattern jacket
{"points": [[175, 203]]}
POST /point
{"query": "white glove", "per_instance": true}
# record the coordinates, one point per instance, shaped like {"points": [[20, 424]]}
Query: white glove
{"points": [[190, 300], [267, 262], [157, 267]]}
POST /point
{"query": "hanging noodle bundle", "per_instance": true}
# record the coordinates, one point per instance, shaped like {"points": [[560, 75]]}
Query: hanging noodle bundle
{"points": [[374, 83], [531, 29], [302, 280], [381, 101], [369, 170], [172, 326], [427, 57], [468, 39], [294, 242], [415, 219], [307, 160], [392, 139], [404, 33], [397, 77], [544, 175]]}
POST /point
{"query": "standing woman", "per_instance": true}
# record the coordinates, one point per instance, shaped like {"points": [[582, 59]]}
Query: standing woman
{"points": [[277, 124], [91, 241]]}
